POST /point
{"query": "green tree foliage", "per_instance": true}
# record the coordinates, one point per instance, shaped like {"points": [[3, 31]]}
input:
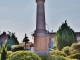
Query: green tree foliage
{"points": [[12, 40], [3, 53], [23, 55], [64, 36]]}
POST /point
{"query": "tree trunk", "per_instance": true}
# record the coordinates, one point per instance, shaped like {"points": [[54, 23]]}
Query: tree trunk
{"points": [[25, 45]]}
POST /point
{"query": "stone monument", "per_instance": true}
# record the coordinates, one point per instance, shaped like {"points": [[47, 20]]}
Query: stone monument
{"points": [[40, 35]]}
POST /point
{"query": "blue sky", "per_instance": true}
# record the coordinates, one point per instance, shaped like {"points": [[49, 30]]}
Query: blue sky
{"points": [[19, 16]]}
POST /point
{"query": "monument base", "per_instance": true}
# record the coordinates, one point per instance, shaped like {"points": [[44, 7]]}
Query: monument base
{"points": [[41, 42], [42, 53]]}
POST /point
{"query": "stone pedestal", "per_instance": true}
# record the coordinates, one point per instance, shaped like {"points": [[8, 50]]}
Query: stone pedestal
{"points": [[41, 42]]}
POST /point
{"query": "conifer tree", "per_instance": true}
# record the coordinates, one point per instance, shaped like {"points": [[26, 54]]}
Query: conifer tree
{"points": [[64, 36], [12, 40]]}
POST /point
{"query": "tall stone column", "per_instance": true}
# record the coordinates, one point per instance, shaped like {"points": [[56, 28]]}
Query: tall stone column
{"points": [[40, 35]]}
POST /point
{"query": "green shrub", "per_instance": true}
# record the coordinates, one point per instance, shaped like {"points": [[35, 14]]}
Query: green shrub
{"points": [[56, 52], [3, 52], [75, 56], [21, 55], [75, 48], [0, 56], [64, 36], [57, 57], [54, 57], [45, 57], [0, 51], [16, 48], [66, 50], [8, 53]]}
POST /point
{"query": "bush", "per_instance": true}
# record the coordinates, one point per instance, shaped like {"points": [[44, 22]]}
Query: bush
{"points": [[75, 56], [56, 52], [8, 53], [46, 57], [54, 57], [16, 48], [0, 56], [21, 55], [3, 52], [66, 50], [75, 48], [0, 51], [57, 57]]}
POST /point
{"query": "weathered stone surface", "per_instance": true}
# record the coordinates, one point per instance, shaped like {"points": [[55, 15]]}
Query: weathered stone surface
{"points": [[41, 43], [40, 17], [42, 53]]}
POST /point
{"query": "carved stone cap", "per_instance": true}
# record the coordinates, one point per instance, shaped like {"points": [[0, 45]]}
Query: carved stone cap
{"points": [[40, 0]]}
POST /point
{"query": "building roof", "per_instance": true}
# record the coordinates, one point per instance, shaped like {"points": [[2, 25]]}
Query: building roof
{"points": [[55, 32]]}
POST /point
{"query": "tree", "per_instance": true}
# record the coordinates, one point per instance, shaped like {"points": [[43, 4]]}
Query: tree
{"points": [[64, 36], [12, 40], [25, 40], [3, 52]]}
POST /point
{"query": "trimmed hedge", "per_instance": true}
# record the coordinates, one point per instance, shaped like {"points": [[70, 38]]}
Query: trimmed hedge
{"points": [[75, 48], [8, 53], [55, 57], [56, 52], [0, 56], [45, 57], [58, 57], [66, 50], [21, 55], [16, 48], [75, 56]]}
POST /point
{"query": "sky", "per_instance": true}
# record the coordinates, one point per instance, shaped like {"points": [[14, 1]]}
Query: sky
{"points": [[19, 16]]}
